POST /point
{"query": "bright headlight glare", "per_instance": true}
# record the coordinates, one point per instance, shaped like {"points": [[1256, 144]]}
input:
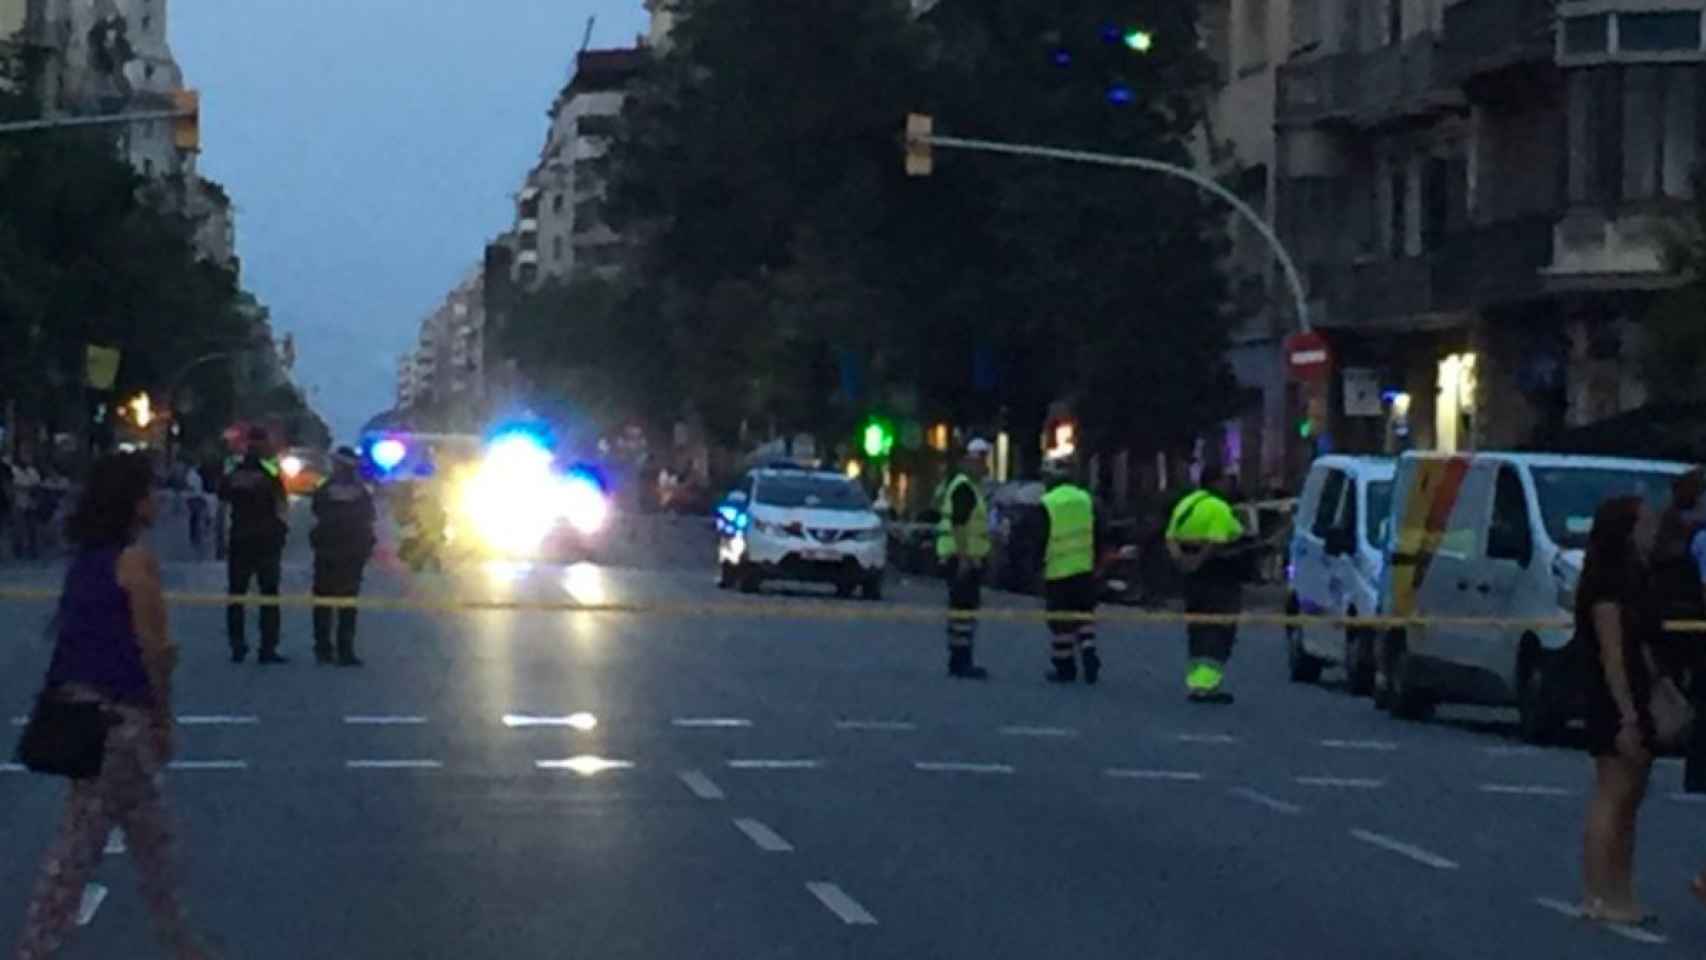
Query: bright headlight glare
{"points": [[291, 467], [582, 503]]}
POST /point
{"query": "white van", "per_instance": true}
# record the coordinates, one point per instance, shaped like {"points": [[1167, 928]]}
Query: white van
{"points": [[1494, 535], [1338, 548]]}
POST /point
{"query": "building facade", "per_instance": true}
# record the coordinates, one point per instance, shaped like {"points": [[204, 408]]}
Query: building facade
{"points": [[1477, 189]]}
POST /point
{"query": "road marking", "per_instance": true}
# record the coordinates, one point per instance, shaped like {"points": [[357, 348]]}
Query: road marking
{"points": [[586, 766], [115, 842], [711, 723], [887, 726], [1348, 783], [1526, 790], [940, 766], [1205, 738], [1274, 804], [12, 768], [842, 905], [579, 721], [1189, 776], [1671, 761], [208, 765], [20, 721], [773, 764], [1627, 931], [765, 838], [216, 720], [1383, 745], [94, 895], [1038, 732], [384, 721], [1511, 751], [393, 765], [701, 785], [1405, 850], [1688, 797]]}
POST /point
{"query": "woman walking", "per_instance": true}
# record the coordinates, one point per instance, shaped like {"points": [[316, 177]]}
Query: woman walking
{"points": [[112, 648], [1616, 626]]}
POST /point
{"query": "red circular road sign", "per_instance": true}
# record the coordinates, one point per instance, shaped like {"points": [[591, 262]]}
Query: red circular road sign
{"points": [[1308, 356]]}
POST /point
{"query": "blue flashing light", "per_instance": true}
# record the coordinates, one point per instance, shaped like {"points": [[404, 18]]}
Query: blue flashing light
{"points": [[388, 453], [1120, 95], [1062, 58]]}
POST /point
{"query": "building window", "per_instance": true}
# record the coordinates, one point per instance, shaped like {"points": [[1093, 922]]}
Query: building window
{"points": [[1588, 35], [557, 247], [1305, 25], [557, 203], [1634, 132], [1398, 208], [1658, 32], [1394, 22], [1255, 46]]}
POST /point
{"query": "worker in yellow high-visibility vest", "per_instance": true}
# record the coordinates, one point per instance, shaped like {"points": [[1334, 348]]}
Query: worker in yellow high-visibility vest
{"points": [[1200, 538], [1069, 575], [962, 547]]}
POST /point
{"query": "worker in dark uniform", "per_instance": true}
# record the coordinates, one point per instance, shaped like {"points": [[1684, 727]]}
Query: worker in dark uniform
{"points": [[962, 546], [343, 541], [258, 508], [1069, 574], [1202, 539]]}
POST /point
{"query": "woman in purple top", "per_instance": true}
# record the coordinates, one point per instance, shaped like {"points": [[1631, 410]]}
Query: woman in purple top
{"points": [[112, 647]]}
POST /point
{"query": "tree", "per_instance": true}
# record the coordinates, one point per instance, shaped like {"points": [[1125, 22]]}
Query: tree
{"points": [[1673, 359]]}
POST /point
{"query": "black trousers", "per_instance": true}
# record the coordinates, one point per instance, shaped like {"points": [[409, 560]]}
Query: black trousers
{"points": [[965, 593], [244, 564], [1070, 635], [1212, 641], [336, 578]]}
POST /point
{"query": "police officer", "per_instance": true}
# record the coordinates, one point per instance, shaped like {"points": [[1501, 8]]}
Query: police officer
{"points": [[1200, 538], [962, 545], [258, 508], [342, 541], [1069, 574]]}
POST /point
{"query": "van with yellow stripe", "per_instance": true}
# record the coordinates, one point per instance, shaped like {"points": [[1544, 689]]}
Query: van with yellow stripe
{"points": [[1494, 536]]}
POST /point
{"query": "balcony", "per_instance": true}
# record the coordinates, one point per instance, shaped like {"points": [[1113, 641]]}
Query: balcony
{"points": [[1491, 36], [1480, 267], [1367, 89]]}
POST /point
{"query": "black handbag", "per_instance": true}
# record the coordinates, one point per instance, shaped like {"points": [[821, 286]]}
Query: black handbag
{"points": [[65, 738]]}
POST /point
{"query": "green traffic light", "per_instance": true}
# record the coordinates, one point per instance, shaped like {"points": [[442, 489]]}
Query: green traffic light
{"points": [[878, 441], [1141, 41], [1306, 428]]}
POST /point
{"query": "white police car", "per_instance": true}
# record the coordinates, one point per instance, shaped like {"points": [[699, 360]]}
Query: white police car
{"points": [[790, 523]]}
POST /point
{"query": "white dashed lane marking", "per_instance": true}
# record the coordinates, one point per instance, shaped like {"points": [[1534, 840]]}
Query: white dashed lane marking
{"points": [[842, 905], [1021, 731], [586, 766], [1183, 776], [1525, 790], [94, 895], [1624, 930], [1262, 799], [882, 726], [701, 785], [577, 721], [944, 766], [1222, 738], [1688, 797], [393, 765], [763, 837], [11, 768], [711, 723], [216, 720], [1403, 849], [1509, 751], [115, 842], [1344, 783], [774, 764], [1379, 745], [385, 721], [208, 765]]}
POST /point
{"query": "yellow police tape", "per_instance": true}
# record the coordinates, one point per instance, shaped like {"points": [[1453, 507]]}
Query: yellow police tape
{"points": [[810, 610]]}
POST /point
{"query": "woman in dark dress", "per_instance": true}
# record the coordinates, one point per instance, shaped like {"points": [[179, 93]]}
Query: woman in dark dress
{"points": [[1615, 625]]}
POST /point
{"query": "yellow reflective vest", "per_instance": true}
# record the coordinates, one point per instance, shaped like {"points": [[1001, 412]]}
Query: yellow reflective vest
{"points": [[977, 525], [1071, 549]]}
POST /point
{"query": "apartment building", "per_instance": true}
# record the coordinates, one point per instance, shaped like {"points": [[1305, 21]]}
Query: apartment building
{"points": [[1477, 189]]}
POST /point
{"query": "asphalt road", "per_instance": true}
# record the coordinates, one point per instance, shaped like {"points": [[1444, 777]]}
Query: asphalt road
{"points": [[574, 785]]}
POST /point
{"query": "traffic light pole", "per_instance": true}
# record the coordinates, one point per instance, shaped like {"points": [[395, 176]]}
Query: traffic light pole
{"points": [[1293, 278], [107, 120]]}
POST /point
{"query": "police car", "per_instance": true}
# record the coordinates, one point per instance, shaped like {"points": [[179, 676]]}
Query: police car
{"points": [[789, 523]]}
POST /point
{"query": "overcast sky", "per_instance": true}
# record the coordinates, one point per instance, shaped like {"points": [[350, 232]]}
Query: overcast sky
{"points": [[371, 148]]}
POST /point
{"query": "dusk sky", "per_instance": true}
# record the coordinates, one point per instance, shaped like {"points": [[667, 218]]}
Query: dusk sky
{"points": [[372, 149]]}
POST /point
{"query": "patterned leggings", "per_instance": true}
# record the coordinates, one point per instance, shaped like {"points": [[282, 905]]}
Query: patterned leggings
{"points": [[127, 794]]}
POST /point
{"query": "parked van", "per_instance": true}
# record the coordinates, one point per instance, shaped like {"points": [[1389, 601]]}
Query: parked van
{"points": [[1495, 535], [1338, 548]]}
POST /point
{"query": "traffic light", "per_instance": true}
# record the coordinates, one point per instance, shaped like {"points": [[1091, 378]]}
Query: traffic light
{"points": [[186, 126], [1139, 40], [877, 439], [919, 160]]}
